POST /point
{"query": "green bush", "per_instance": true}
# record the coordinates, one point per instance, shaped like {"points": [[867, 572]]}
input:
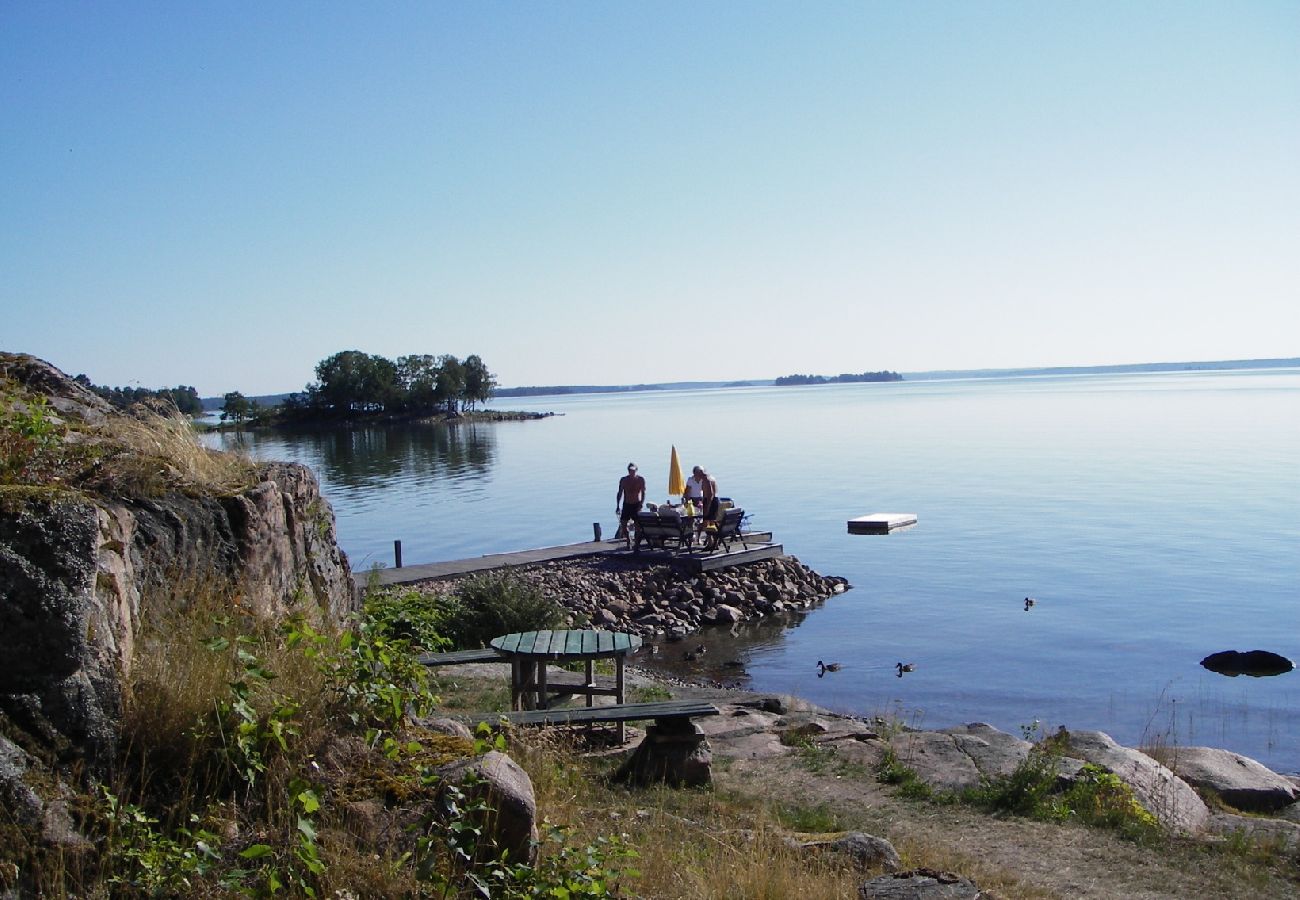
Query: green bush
{"points": [[493, 604], [398, 614]]}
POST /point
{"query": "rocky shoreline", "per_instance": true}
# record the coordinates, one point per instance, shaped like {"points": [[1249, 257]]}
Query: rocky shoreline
{"points": [[662, 600]]}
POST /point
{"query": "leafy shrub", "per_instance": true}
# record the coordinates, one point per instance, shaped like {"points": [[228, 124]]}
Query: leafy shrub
{"points": [[493, 604], [409, 615]]}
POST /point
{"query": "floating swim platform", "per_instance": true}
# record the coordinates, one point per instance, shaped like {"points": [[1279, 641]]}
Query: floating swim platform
{"points": [[881, 523]]}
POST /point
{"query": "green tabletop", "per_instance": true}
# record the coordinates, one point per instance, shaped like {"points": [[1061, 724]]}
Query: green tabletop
{"points": [[569, 644]]}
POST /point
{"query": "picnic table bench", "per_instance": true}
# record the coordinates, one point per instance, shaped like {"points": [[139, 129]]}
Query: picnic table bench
{"points": [[460, 657], [660, 710], [675, 750]]}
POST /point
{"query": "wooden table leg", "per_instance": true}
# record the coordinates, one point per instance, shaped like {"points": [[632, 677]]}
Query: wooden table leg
{"points": [[591, 681], [618, 686], [542, 700]]}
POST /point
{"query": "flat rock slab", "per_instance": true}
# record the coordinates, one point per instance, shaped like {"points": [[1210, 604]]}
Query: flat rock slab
{"points": [[1259, 828], [958, 758], [1239, 780], [920, 884]]}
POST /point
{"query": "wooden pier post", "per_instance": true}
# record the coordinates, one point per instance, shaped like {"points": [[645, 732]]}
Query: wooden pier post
{"points": [[595, 530], [397, 554]]}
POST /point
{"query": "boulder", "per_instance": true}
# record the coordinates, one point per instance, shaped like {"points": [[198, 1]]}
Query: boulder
{"points": [[500, 783], [920, 884], [1239, 780], [1160, 792], [727, 614], [445, 725], [867, 851]]}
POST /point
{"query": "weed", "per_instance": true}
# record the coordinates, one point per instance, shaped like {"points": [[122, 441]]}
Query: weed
{"points": [[817, 819], [649, 693], [496, 603], [891, 771], [407, 614]]}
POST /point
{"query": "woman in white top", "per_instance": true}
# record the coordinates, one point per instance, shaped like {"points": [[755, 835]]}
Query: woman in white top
{"points": [[695, 489]]}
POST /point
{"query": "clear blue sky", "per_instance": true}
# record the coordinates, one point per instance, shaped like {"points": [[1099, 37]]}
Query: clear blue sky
{"points": [[222, 194]]}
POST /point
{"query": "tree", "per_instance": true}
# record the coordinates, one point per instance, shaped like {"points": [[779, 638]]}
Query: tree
{"points": [[451, 382], [417, 379], [235, 407], [479, 382]]}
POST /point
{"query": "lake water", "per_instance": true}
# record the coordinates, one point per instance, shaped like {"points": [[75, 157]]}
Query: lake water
{"points": [[1155, 518]]}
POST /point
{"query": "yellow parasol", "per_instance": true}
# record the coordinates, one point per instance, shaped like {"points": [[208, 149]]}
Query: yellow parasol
{"points": [[676, 481]]}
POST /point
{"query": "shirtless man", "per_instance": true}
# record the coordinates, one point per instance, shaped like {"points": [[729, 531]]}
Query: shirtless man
{"points": [[631, 494], [710, 490]]}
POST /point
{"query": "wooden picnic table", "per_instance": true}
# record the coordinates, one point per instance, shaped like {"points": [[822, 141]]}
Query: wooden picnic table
{"points": [[529, 653]]}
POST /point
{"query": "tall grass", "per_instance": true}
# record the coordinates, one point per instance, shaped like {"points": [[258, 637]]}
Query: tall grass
{"points": [[690, 844], [152, 453]]}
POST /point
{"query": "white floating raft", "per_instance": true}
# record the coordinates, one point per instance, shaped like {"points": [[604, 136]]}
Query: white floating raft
{"points": [[881, 523]]}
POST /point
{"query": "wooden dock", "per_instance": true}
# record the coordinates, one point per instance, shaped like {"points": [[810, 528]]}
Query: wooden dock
{"points": [[760, 547]]}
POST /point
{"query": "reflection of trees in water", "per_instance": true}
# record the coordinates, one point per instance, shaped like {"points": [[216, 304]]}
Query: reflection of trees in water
{"points": [[362, 457]]}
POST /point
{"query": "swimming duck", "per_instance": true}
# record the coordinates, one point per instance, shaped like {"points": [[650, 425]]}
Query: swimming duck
{"points": [[1029, 601], [905, 667], [823, 668]]}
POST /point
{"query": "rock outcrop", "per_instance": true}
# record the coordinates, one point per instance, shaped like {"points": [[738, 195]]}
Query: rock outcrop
{"points": [[84, 562]]}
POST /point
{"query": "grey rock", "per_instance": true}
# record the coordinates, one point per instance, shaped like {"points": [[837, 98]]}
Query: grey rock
{"points": [[1239, 780], [18, 798], [508, 791], [866, 850], [920, 884], [1160, 792], [960, 757], [78, 572], [1270, 831], [728, 614], [444, 725]]}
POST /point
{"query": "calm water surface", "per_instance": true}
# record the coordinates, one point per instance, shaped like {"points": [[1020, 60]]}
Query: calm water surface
{"points": [[1155, 518]]}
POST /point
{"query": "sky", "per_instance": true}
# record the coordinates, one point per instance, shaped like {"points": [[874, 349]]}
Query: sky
{"points": [[224, 194]]}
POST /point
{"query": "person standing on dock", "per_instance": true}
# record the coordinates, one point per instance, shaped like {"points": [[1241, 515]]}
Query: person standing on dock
{"points": [[710, 488], [695, 490], [631, 494]]}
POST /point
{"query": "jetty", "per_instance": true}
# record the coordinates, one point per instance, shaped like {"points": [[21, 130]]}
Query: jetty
{"points": [[756, 546]]}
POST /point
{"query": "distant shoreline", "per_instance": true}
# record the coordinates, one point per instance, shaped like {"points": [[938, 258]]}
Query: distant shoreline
{"points": [[213, 404]]}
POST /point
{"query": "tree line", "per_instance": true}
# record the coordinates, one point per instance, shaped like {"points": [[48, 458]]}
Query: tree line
{"points": [[184, 397], [352, 384], [786, 380]]}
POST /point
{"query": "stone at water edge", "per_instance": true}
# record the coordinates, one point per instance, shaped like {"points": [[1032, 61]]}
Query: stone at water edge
{"points": [[1239, 780], [1160, 792]]}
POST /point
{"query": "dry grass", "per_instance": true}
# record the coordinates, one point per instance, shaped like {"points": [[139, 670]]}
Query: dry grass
{"points": [[154, 453], [692, 844]]}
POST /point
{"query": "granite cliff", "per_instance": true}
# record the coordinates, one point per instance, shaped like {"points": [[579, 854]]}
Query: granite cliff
{"points": [[103, 525]]}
